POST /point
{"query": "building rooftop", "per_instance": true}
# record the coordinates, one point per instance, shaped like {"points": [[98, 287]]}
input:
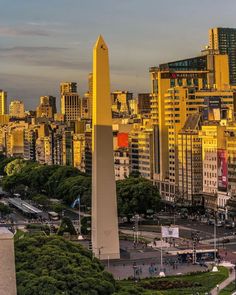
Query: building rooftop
{"points": [[192, 122], [24, 206]]}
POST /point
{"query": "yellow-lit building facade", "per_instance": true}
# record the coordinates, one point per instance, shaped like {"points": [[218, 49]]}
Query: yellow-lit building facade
{"points": [[3, 102], [70, 101], [190, 162], [79, 151], [141, 142], [178, 90], [17, 109], [214, 162]]}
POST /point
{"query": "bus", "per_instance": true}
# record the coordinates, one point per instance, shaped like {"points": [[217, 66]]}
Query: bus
{"points": [[53, 215]]}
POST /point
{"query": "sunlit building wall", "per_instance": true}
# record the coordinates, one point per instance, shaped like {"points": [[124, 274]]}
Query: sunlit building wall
{"points": [[17, 109], [190, 161], [3, 102], [79, 151]]}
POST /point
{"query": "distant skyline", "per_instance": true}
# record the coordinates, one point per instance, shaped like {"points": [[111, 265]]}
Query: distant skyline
{"points": [[46, 42]]}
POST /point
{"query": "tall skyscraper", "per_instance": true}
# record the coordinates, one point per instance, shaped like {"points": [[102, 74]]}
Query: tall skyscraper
{"points": [[3, 102], [105, 238], [224, 41], [70, 101]]}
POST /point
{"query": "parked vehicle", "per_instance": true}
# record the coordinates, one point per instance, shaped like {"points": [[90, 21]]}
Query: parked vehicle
{"points": [[229, 225], [219, 223]]}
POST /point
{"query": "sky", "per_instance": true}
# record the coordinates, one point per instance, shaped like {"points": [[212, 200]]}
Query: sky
{"points": [[48, 41]]}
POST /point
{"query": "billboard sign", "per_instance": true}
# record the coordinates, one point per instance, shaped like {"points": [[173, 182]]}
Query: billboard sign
{"points": [[169, 232], [222, 169]]}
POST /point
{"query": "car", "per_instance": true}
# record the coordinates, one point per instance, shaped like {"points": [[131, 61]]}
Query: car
{"points": [[229, 224], [225, 241], [211, 221], [219, 224]]}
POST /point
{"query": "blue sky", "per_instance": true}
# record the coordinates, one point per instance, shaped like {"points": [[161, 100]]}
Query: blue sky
{"points": [[45, 42]]}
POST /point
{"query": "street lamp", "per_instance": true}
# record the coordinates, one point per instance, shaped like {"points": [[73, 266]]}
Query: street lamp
{"points": [[134, 268], [235, 275], [215, 268]]}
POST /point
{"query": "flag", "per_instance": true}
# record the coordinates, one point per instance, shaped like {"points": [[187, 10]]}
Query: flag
{"points": [[77, 201], [169, 232]]}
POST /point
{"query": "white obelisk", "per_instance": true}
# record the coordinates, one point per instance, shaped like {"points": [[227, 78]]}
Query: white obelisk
{"points": [[105, 236]]}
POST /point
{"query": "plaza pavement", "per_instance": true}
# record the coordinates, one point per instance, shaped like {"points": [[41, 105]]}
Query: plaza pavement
{"points": [[144, 269]]}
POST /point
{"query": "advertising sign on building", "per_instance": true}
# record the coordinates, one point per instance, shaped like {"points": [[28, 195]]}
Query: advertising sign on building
{"points": [[222, 169], [169, 232], [123, 140]]}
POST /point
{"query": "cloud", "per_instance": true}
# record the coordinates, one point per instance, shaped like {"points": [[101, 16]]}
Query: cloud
{"points": [[11, 51], [23, 31], [56, 57]]}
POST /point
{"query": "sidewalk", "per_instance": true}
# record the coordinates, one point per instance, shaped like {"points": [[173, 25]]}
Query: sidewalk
{"points": [[225, 283]]}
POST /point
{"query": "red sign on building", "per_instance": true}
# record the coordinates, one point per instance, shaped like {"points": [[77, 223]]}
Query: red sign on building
{"points": [[123, 140], [222, 169]]}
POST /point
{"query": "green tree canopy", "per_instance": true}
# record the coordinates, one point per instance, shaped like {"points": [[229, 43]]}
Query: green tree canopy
{"points": [[62, 173], [51, 265], [15, 166], [70, 188], [137, 195], [3, 162], [40, 175], [42, 200], [4, 209]]}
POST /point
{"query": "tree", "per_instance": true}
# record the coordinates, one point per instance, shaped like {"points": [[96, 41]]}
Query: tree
{"points": [[3, 162], [57, 207], [42, 200], [70, 188], [39, 176], [86, 225], [10, 183], [62, 173], [15, 166], [137, 195], [52, 265], [4, 209]]}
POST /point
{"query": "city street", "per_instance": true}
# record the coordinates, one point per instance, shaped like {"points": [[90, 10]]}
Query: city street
{"points": [[225, 237]]}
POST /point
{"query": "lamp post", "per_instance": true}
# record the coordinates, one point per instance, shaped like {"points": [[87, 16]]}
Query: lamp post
{"points": [[134, 268], [215, 269], [235, 275]]}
